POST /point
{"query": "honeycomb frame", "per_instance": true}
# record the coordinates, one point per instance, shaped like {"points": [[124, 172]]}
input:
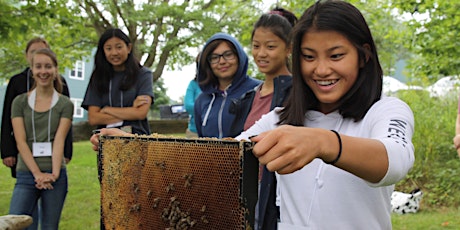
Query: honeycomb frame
{"points": [[173, 183]]}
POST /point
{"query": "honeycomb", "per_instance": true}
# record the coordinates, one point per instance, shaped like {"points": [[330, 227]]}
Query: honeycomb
{"points": [[172, 183]]}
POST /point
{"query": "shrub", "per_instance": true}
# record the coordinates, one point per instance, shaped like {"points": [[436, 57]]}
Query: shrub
{"points": [[437, 168]]}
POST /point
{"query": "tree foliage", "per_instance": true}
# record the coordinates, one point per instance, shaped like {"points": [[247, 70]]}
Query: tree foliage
{"points": [[435, 43], [168, 33], [53, 20]]}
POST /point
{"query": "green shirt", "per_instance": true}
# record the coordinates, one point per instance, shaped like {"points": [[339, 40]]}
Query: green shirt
{"points": [[20, 108]]}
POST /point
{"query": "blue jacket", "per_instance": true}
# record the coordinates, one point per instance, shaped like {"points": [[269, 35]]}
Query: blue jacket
{"points": [[268, 211], [212, 115]]}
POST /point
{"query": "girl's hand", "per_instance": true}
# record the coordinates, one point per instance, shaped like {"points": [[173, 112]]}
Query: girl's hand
{"points": [[45, 186], [9, 161], [44, 180], [456, 141], [106, 131], [287, 149], [141, 100]]}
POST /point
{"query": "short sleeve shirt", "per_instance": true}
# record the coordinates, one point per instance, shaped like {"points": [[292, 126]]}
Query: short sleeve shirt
{"points": [[42, 120], [118, 98]]}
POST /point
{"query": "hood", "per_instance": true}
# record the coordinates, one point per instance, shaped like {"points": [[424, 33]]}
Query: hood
{"points": [[241, 73]]}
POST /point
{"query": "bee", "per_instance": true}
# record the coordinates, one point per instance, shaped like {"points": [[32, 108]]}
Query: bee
{"points": [[161, 165], [135, 207], [142, 162], [136, 188], [204, 219], [188, 180], [170, 187], [156, 201]]}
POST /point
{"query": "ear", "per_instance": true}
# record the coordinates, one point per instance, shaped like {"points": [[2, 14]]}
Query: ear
{"points": [[367, 51]]}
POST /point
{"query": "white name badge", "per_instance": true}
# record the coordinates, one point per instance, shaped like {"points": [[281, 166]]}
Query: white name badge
{"points": [[42, 149]]}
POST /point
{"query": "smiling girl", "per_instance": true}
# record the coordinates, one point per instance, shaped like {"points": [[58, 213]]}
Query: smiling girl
{"points": [[271, 50], [120, 90], [338, 146], [41, 120], [222, 76]]}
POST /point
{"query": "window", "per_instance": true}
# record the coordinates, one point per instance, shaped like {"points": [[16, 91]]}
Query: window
{"points": [[77, 71], [77, 109]]}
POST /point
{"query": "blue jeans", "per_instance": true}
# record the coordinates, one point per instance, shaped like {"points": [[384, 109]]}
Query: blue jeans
{"points": [[25, 198]]}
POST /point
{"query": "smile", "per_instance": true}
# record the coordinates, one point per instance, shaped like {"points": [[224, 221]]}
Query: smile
{"points": [[326, 82]]}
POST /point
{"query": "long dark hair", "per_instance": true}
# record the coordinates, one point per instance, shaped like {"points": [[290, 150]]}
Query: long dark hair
{"points": [[344, 18], [103, 70]]}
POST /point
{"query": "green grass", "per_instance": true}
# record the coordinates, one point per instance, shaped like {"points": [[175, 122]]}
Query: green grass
{"points": [[81, 209]]}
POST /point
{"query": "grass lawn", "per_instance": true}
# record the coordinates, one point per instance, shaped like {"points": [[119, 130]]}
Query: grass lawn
{"points": [[81, 210]]}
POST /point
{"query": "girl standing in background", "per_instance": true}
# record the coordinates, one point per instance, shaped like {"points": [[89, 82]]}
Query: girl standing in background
{"points": [[271, 50], [120, 90], [41, 120]]}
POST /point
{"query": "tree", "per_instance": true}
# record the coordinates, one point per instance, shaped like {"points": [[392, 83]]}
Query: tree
{"points": [[435, 43], [159, 92], [53, 20], [166, 33]]}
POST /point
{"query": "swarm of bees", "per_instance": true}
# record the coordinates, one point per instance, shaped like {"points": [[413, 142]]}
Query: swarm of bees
{"points": [[178, 219]]}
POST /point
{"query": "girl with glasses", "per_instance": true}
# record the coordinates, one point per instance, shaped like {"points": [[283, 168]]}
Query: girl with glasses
{"points": [[222, 76]]}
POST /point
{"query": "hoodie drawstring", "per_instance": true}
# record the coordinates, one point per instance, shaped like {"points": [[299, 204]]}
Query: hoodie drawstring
{"points": [[209, 110]]}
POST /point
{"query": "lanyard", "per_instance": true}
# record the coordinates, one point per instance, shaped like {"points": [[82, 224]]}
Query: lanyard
{"points": [[28, 79], [31, 102]]}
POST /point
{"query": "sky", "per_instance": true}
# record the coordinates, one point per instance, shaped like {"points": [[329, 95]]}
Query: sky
{"points": [[177, 81]]}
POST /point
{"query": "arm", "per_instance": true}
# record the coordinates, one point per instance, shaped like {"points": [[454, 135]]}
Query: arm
{"points": [[8, 146], [457, 135], [68, 145], [109, 132], [381, 152], [138, 111], [287, 149], [24, 150], [189, 99], [58, 146], [96, 117]]}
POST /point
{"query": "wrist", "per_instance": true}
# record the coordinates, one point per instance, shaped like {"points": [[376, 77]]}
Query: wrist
{"points": [[339, 152], [55, 176]]}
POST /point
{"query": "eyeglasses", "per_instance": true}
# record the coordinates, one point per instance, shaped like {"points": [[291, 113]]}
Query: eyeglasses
{"points": [[227, 55]]}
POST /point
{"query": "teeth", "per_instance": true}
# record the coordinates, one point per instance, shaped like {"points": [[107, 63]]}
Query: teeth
{"points": [[329, 82]]}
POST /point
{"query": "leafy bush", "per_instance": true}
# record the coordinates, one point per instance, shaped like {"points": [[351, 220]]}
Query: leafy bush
{"points": [[437, 167]]}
